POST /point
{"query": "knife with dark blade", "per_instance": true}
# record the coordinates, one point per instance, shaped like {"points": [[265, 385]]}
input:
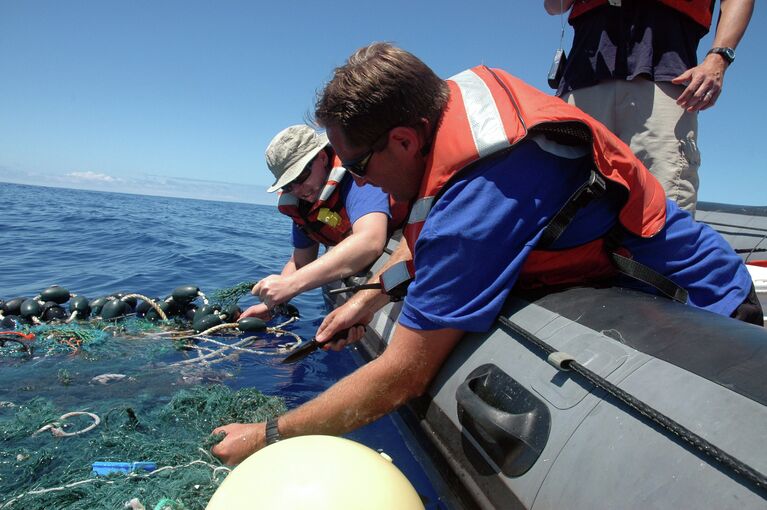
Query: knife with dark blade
{"points": [[312, 345]]}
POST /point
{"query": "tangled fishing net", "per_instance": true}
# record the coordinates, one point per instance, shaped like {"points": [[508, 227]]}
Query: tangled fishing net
{"points": [[173, 438], [78, 434], [42, 326]]}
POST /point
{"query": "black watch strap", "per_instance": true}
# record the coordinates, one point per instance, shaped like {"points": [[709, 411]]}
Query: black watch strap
{"points": [[726, 53], [272, 434]]}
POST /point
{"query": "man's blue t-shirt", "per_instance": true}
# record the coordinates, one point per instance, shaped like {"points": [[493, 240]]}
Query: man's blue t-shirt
{"points": [[359, 201], [479, 233]]}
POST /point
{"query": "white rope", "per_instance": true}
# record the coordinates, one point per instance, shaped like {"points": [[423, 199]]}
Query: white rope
{"points": [[239, 346], [149, 302], [57, 431], [216, 470], [53, 489]]}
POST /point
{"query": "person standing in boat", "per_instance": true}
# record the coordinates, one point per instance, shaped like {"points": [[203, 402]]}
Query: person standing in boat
{"points": [[634, 67], [327, 207], [490, 162]]}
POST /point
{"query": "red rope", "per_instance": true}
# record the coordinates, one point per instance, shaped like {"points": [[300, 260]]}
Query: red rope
{"points": [[25, 336]]}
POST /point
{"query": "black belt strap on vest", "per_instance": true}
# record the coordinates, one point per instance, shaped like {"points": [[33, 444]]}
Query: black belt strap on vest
{"points": [[641, 272], [591, 189]]}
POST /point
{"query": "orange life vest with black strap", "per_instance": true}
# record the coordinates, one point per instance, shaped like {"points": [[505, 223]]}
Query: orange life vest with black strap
{"points": [[326, 220], [489, 111], [700, 11]]}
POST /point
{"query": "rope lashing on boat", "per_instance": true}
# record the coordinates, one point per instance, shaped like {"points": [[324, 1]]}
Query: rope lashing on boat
{"points": [[723, 458], [56, 426]]}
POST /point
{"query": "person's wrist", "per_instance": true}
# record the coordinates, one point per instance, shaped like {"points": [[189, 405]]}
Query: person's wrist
{"points": [[724, 55], [272, 433], [294, 285], [718, 60]]}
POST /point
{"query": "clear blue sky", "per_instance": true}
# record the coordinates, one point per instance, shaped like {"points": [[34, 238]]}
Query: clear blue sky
{"points": [[163, 96]]}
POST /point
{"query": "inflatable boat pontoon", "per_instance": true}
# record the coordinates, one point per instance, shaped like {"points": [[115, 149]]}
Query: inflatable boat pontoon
{"points": [[598, 398]]}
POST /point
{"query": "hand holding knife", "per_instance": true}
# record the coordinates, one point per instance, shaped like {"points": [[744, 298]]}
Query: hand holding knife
{"points": [[312, 345]]}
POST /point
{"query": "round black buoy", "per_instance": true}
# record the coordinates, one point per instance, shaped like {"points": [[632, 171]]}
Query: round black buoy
{"points": [[131, 301], [206, 322], [80, 306], [189, 311], [53, 311], [97, 303], [115, 309], [30, 308], [230, 313], [13, 306], [55, 293], [205, 310], [144, 306], [251, 324], [168, 307], [9, 323], [185, 294]]}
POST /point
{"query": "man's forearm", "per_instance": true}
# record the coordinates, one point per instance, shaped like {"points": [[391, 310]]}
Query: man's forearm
{"points": [[345, 259], [373, 300], [402, 372], [733, 21]]}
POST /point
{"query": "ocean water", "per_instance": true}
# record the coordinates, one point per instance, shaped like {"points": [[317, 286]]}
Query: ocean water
{"points": [[96, 243]]}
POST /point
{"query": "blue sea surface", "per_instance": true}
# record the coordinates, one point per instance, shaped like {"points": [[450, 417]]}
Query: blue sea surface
{"points": [[97, 243]]}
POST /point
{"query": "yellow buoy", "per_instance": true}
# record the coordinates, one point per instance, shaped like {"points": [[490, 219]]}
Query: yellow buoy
{"points": [[318, 473]]}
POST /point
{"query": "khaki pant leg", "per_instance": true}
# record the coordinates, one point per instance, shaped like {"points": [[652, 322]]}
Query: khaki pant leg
{"points": [[598, 101], [646, 117], [663, 136]]}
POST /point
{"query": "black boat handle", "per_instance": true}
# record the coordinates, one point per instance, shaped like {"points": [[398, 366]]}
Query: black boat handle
{"points": [[509, 422]]}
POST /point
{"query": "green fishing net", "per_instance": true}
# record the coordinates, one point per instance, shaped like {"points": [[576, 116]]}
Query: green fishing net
{"points": [[231, 295], [40, 471], [123, 391]]}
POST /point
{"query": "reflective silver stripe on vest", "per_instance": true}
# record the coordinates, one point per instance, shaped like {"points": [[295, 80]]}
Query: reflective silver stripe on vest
{"points": [[484, 118], [336, 175], [420, 210]]}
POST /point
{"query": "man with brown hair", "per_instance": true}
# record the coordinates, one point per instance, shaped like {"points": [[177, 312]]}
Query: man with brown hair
{"points": [[491, 162]]}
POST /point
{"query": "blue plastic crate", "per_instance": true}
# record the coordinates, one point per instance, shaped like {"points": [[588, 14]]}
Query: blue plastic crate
{"points": [[108, 468]]}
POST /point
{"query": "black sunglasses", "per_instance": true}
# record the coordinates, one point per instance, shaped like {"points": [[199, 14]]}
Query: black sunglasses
{"points": [[358, 167], [305, 173]]}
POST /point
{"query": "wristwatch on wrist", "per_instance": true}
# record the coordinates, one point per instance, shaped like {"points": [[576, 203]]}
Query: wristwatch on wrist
{"points": [[272, 434], [727, 53]]}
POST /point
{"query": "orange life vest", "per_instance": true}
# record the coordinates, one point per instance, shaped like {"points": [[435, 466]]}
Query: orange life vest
{"points": [[326, 221], [700, 11], [490, 111]]}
